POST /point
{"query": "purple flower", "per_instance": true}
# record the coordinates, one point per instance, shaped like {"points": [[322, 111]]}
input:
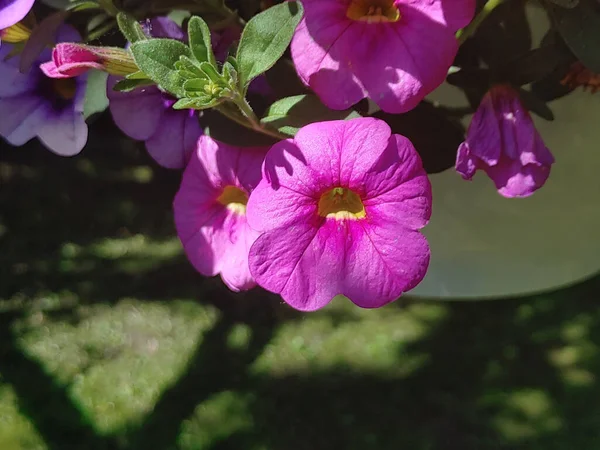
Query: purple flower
{"points": [[393, 51], [50, 109], [340, 207], [503, 142], [210, 210], [146, 113], [11, 11]]}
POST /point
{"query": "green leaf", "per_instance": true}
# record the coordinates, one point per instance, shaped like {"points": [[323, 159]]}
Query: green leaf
{"points": [[265, 38], [130, 28], [128, 85], [580, 28], [198, 103], [290, 114], [199, 37], [210, 71], [82, 5], [157, 58]]}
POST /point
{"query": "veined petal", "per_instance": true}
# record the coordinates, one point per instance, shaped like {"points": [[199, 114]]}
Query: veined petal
{"points": [[300, 262], [382, 263]]}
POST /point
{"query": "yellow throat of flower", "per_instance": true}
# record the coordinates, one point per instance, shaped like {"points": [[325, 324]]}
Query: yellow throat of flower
{"points": [[16, 33], [234, 199], [341, 203], [373, 11]]}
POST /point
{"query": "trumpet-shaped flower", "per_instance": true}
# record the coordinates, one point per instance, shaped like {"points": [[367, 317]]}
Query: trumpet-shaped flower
{"points": [[503, 142], [339, 210], [210, 210], [34, 105], [393, 51]]}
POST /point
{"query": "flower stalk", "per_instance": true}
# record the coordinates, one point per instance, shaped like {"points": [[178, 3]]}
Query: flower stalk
{"points": [[465, 33]]}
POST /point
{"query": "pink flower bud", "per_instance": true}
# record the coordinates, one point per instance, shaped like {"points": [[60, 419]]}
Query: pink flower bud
{"points": [[72, 59]]}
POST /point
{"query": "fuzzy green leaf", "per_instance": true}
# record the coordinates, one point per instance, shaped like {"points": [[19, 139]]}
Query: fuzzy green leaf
{"points": [[157, 58], [199, 37], [265, 38]]}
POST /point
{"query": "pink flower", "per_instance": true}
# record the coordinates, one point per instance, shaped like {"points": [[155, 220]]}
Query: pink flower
{"points": [[70, 60], [210, 210], [502, 141], [339, 208], [393, 51]]}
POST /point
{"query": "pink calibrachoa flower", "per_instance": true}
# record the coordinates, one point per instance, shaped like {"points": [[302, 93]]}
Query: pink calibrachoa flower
{"points": [[210, 210], [340, 207], [393, 51], [503, 142]]}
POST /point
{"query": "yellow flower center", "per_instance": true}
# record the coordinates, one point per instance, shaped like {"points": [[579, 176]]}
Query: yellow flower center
{"points": [[65, 87], [341, 203], [373, 11], [16, 33], [234, 199]]}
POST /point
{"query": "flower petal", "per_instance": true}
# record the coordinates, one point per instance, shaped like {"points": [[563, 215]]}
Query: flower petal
{"points": [[237, 237], [382, 263], [13, 81], [27, 115], [398, 64], [513, 179], [65, 133], [320, 46], [12, 11], [174, 139], [137, 113], [300, 262]]}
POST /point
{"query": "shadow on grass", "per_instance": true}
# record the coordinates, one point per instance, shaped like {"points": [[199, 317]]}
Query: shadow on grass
{"points": [[496, 375]]}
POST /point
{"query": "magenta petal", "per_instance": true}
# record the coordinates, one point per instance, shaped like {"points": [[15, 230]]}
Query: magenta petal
{"points": [[512, 179], [382, 263], [12, 11], [270, 208], [397, 191], [174, 139], [319, 49], [136, 113], [502, 141], [301, 262], [466, 165], [231, 247], [216, 238]]}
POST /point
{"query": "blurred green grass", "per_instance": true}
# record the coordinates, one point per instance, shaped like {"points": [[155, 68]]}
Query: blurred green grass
{"points": [[109, 340]]}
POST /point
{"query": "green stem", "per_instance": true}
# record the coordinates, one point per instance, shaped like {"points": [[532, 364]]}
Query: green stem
{"points": [[245, 121], [470, 29]]}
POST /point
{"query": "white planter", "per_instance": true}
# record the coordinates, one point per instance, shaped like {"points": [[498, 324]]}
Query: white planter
{"points": [[483, 245]]}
